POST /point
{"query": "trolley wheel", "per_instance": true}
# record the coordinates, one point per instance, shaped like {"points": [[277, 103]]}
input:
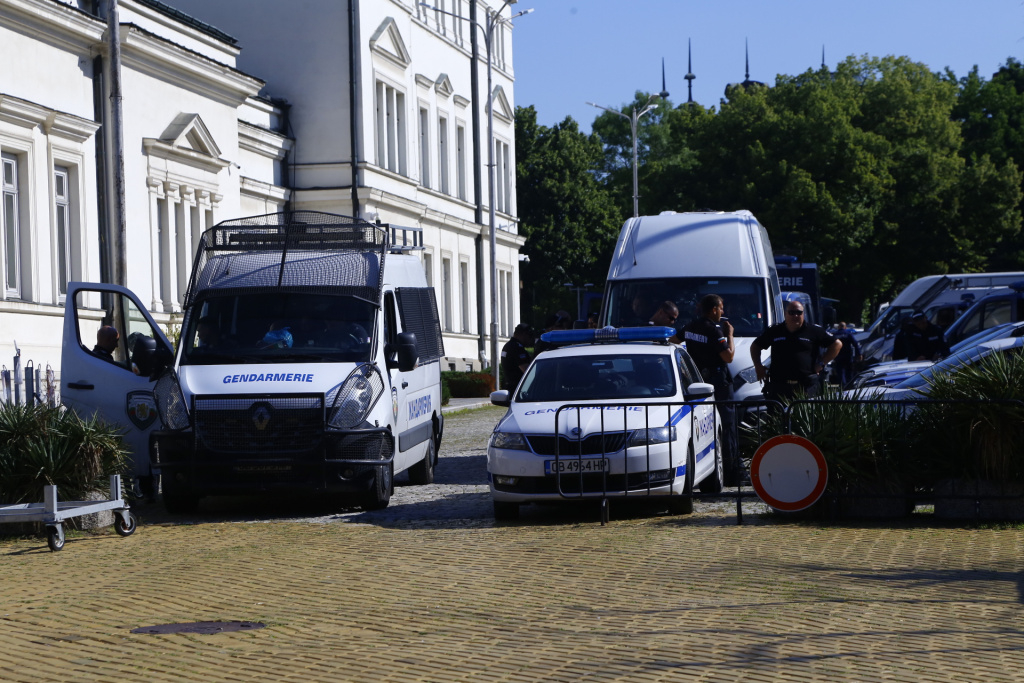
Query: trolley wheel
{"points": [[122, 528], [55, 538]]}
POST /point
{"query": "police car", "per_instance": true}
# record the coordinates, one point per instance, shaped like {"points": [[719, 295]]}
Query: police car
{"points": [[609, 413]]}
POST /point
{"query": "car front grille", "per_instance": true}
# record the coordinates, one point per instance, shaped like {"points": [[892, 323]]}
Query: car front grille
{"points": [[595, 444], [570, 484]]}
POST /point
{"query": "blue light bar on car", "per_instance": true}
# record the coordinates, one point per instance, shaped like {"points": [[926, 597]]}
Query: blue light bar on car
{"points": [[608, 334]]}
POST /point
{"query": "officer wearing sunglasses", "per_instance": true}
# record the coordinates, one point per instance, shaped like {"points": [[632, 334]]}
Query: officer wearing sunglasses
{"points": [[795, 348]]}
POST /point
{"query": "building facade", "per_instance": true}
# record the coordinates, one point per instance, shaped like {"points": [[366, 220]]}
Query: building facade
{"points": [[373, 108]]}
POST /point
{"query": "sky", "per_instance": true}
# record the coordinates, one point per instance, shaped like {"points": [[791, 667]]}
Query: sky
{"points": [[570, 52]]}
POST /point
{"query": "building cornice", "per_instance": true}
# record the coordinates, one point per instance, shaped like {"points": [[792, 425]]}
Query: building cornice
{"points": [[149, 53], [163, 150], [54, 22], [262, 141]]}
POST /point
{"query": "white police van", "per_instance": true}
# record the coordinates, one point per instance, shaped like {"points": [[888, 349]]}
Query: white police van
{"points": [[614, 413], [308, 361]]}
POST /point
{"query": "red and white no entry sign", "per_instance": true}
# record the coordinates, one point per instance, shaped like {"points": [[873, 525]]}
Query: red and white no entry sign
{"points": [[788, 472]]}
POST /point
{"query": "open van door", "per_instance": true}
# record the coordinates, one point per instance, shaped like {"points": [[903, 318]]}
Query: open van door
{"points": [[112, 384]]}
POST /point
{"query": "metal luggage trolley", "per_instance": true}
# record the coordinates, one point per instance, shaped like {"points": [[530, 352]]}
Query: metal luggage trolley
{"points": [[53, 514]]}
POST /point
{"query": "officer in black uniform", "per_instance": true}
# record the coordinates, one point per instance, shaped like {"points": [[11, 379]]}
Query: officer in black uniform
{"points": [[514, 356], [709, 342], [925, 340], [795, 362]]}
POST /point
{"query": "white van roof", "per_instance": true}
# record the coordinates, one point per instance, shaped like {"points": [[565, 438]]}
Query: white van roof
{"points": [[694, 244], [963, 282]]}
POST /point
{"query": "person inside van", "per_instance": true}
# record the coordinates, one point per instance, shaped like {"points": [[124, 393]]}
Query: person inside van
{"points": [[107, 338]]}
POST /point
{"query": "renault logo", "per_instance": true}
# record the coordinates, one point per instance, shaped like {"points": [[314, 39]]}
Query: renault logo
{"points": [[575, 432], [261, 416]]}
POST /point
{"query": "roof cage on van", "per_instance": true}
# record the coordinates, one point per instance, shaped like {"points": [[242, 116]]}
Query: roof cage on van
{"points": [[308, 250]]}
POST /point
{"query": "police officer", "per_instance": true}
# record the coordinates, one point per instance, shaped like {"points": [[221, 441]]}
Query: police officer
{"points": [[514, 356], [709, 342], [925, 340], [795, 362]]}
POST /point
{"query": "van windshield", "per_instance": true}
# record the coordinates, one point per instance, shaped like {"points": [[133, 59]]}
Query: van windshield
{"points": [[278, 327], [633, 302]]}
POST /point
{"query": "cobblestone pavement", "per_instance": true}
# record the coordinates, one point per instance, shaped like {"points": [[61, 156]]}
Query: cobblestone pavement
{"points": [[431, 589]]}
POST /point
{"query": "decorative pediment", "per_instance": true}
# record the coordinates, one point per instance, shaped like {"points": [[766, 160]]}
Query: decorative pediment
{"points": [[502, 108], [387, 42], [188, 140], [443, 86]]}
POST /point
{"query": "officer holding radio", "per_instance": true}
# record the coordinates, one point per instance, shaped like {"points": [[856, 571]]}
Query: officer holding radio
{"points": [[709, 342]]}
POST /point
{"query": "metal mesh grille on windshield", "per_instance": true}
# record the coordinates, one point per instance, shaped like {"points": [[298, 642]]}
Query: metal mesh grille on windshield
{"points": [[296, 249]]}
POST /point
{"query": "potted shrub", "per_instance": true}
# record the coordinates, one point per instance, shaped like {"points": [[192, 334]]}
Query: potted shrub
{"points": [[972, 439]]}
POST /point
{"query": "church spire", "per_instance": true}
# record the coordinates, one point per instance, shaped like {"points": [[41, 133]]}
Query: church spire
{"points": [[664, 91], [689, 72]]}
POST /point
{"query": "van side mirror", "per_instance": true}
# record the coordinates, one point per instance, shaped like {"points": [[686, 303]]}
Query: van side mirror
{"points": [[405, 355], [151, 357]]}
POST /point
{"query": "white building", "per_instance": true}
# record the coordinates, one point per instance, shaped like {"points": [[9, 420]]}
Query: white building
{"points": [[374, 108]]}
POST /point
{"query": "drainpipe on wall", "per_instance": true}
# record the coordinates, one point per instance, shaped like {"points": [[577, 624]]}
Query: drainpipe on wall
{"points": [[100, 116], [118, 243], [481, 292], [356, 102]]}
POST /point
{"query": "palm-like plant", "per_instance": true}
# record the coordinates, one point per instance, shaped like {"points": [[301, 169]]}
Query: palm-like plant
{"points": [[40, 446]]}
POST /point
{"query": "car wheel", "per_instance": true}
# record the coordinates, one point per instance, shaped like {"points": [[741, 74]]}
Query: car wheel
{"points": [[682, 504], [423, 471], [380, 492], [713, 482], [505, 511]]}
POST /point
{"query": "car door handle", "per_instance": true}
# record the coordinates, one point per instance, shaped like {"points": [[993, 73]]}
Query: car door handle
{"points": [[405, 384], [80, 385]]}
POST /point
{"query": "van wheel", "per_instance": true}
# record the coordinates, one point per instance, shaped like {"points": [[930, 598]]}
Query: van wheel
{"points": [[423, 471], [682, 504], [380, 492]]}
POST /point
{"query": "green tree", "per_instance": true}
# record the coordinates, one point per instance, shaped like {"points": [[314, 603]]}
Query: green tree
{"points": [[568, 218]]}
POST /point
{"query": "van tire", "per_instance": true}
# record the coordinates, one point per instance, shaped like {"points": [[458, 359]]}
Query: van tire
{"points": [[380, 491], [423, 471]]}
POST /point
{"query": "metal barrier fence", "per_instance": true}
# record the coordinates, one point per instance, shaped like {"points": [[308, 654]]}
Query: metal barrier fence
{"points": [[31, 385], [883, 456]]}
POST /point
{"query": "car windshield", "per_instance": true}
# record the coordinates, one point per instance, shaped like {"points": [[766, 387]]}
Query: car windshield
{"points": [[633, 302], [991, 333], [278, 327], [598, 377]]}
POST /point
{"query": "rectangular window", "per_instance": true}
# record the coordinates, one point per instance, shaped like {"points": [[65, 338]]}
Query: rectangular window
{"points": [[11, 227], [446, 287], [460, 161], [464, 295], [503, 177], [390, 126], [424, 148], [502, 307], [428, 269], [442, 153], [62, 213], [509, 297]]}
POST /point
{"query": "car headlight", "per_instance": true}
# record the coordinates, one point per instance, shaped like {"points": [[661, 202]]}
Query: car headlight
{"points": [[351, 400], [513, 441], [651, 436], [170, 402]]}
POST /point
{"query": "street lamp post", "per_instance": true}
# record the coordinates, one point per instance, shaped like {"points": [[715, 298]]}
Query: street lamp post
{"points": [[578, 290], [488, 31], [632, 126]]}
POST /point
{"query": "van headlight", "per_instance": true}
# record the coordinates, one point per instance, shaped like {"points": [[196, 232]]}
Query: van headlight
{"points": [[748, 375], [513, 441], [350, 401], [170, 402], [651, 436]]}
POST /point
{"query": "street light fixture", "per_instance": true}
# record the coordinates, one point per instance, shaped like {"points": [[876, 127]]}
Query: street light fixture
{"points": [[488, 31], [648, 106]]}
